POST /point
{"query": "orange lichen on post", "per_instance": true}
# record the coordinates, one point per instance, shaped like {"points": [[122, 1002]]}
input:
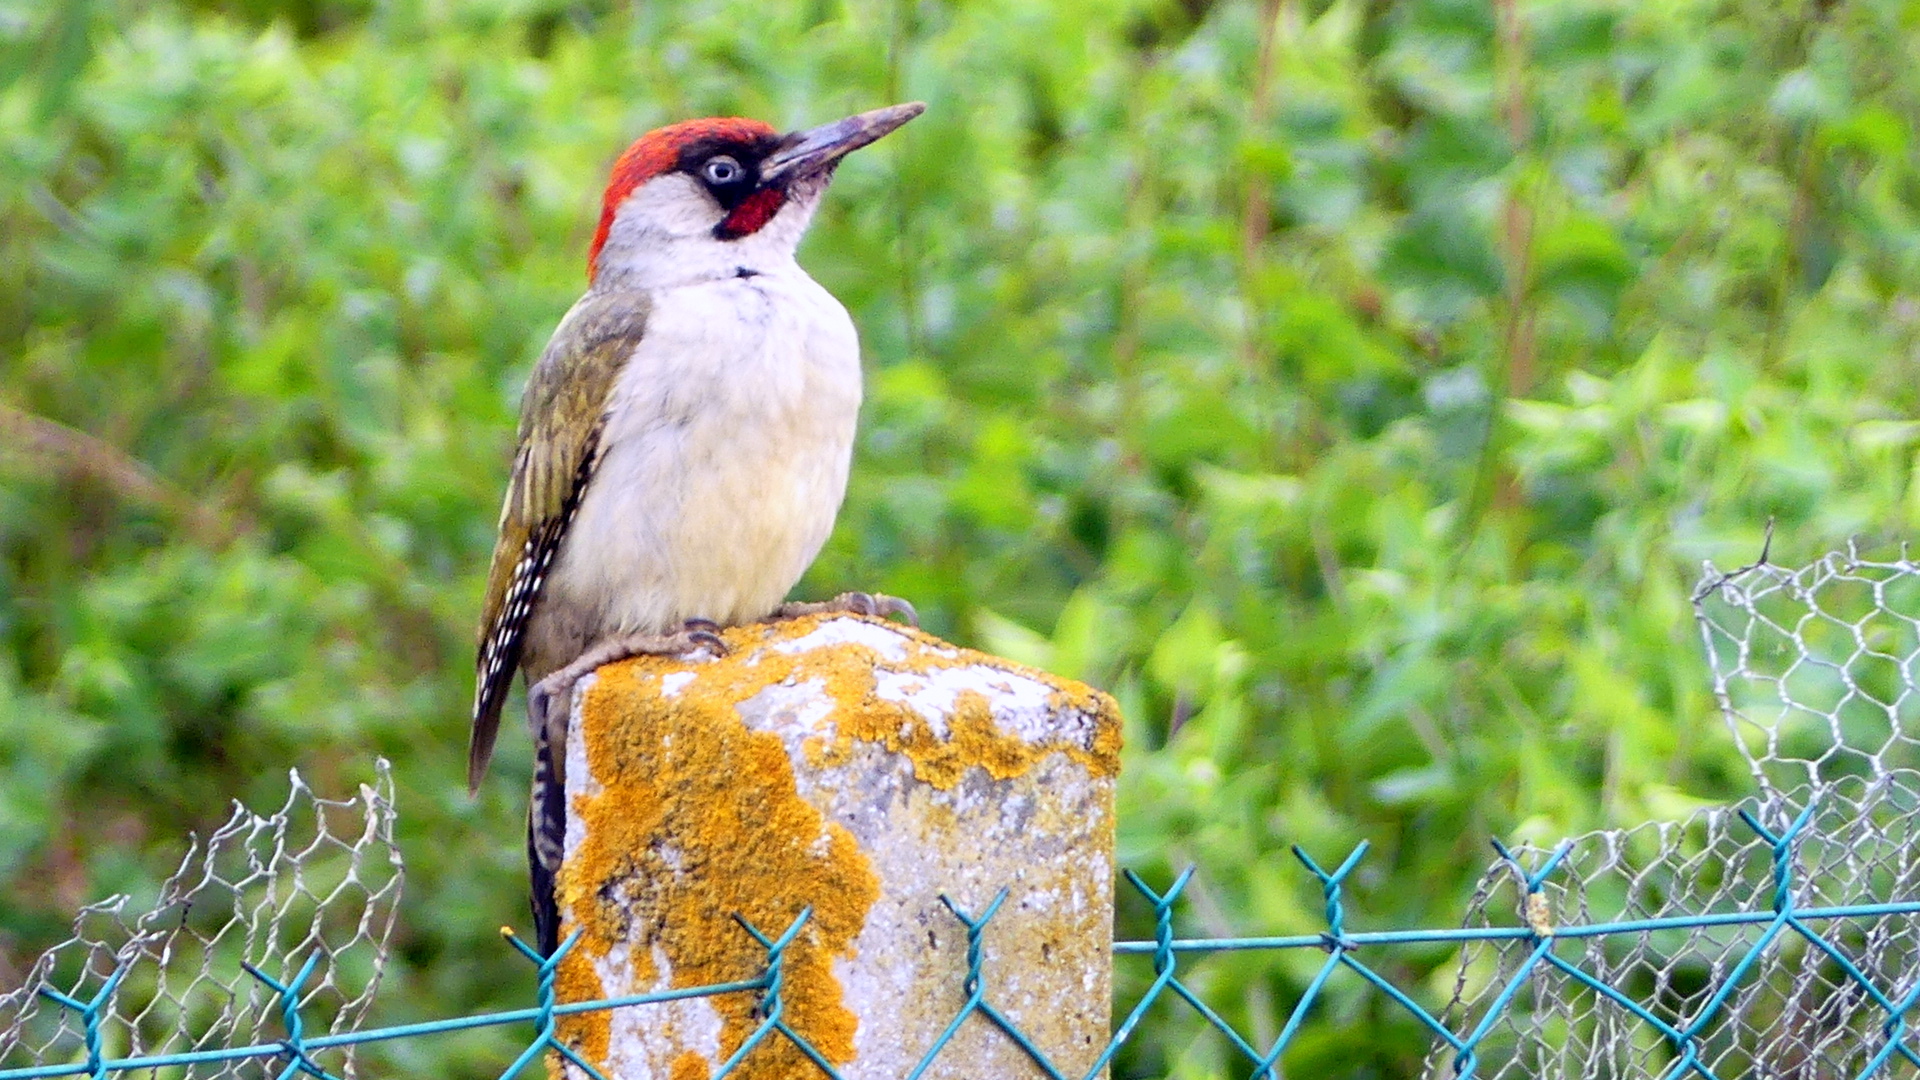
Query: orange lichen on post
{"points": [[589, 1034], [685, 784], [705, 789]]}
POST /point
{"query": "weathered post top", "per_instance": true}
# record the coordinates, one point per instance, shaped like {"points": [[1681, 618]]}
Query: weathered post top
{"points": [[858, 769]]}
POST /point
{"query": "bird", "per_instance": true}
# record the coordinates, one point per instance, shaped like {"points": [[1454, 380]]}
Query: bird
{"points": [[684, 439]]}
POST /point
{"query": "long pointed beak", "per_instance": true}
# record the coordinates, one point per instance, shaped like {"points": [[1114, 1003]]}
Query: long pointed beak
{"points": [[814, 150]]}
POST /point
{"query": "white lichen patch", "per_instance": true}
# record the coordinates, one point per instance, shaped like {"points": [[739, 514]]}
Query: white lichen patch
{"points": [[1022, 707], [585, 784], [794, 711], [645, 1042], [888, 643]]}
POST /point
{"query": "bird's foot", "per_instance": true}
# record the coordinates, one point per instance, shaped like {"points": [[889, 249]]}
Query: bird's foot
{"points": [[695, 635], [853, 603]]}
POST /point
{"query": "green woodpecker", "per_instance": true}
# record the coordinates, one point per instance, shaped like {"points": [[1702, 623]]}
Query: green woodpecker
{"points": [[684, 439]]}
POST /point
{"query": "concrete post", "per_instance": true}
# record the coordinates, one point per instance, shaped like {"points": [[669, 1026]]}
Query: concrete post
{"points": [[861, 769]]}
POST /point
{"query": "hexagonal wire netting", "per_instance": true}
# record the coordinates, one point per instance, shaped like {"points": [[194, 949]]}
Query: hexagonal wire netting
{"points": [[1779, 938], [1815, 670], [319, 879]]}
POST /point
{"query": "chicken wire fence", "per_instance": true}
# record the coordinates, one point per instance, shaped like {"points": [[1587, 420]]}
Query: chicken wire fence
{"points": [[1777, 938], [201, 969]]}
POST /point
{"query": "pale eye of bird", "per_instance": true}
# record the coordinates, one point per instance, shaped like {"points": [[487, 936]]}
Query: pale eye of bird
{"points": [[721, 170]]}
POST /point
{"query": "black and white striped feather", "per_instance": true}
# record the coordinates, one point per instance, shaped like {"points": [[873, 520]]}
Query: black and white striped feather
{"points": [[561, 418]]}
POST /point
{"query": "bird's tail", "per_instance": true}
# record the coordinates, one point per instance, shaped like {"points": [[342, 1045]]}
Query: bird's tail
{"points": [[546, 843], [546, 904]]}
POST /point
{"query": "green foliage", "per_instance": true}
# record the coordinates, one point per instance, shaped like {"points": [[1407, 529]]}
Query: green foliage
{"points": [[1353, 388]]}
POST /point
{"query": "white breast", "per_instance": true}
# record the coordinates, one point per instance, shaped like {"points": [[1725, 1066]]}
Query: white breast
{"points": [[727, 444]]}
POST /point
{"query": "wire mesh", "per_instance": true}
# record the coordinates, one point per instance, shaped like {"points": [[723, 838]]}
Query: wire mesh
{"points": [[1777, 938], [259, 898], [1814, 669], [1795, 995]]}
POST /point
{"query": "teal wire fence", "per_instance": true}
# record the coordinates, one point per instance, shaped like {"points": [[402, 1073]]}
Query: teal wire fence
{"points": [[1776, 938], [1887, 1039]]}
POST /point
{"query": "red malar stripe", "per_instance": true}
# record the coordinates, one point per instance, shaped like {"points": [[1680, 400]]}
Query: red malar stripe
{"points": [[752, 214]]}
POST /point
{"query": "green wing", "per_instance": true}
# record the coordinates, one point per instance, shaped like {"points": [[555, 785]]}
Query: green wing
{"points": [[560, 419]]}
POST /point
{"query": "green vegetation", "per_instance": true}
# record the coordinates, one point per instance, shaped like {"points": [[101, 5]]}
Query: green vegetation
{"points": [[1353, 388]]}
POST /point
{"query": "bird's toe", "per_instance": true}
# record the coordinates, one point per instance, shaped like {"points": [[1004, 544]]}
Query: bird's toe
{"points": [[704, 639], [885, 606]]}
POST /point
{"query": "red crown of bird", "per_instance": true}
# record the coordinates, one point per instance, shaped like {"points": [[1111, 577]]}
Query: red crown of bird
{"points": [[658, 152]]}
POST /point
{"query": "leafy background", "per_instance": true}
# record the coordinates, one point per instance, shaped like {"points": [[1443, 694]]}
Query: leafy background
{"points": [[1354, 388]]}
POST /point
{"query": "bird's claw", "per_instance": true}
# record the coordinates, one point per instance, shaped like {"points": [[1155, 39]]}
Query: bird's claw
{"points": [[873, 605], [885, 606], [704, 638], [896, 605]]}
